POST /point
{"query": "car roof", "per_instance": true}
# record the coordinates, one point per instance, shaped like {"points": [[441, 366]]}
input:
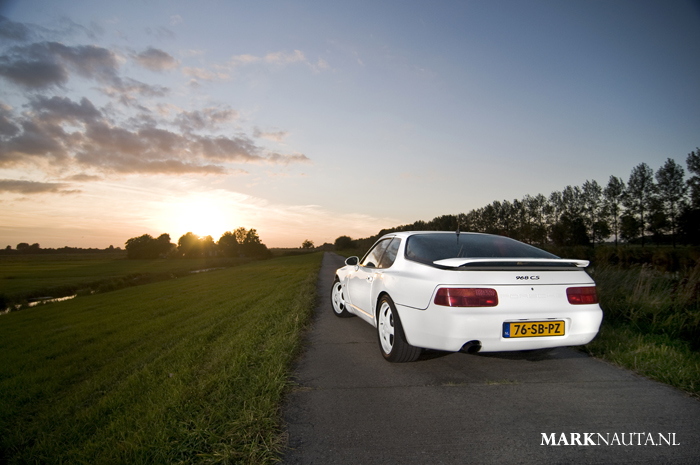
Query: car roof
{"points": [[412, 233]]}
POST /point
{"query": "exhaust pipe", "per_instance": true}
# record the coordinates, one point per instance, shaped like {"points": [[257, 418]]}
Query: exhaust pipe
{"points": [[471, 347]]}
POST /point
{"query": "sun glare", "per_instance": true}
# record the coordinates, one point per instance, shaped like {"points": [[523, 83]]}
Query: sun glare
{"points": [[202, 218]]}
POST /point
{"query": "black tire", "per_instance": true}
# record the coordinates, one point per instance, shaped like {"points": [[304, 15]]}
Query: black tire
{"points": [[392, 339], [338, 300]]}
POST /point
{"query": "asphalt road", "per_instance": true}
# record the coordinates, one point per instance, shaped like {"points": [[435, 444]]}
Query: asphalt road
{"points": [[352, 407]]}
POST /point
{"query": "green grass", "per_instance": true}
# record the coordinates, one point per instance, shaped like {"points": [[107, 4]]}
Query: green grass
{"points": [[660, 357], [181, 371], [654, 302], [27, 276]]}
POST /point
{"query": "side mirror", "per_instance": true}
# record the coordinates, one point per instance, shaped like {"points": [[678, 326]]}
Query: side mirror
{"points": [[352, 261]]}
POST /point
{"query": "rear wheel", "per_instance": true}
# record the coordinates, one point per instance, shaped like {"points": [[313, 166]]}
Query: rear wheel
{"points": [[338, 300], [392, 340]]}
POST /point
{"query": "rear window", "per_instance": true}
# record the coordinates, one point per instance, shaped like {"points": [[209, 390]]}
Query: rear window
{"points": [[427, 248]]}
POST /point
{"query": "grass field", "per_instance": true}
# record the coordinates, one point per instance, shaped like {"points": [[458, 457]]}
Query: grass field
{"points": [[23, 277], [180, 371]]}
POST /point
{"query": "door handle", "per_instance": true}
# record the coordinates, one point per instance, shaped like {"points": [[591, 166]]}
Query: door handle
{"points": [[370, 278]]}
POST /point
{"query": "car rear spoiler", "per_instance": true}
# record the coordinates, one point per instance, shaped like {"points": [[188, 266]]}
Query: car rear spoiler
{"points": [[457, 262]]}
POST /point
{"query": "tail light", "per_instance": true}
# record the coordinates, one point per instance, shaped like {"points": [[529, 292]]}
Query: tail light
{"points": [[460, 297], [582, 295]]}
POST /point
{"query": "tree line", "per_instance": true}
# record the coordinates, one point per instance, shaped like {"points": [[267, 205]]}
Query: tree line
{"points": [[661, 206], [240, 242], [24, 248]]}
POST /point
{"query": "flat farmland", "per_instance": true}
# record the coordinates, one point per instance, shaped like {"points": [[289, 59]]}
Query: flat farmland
{"points": [[185, 370], [27, 276]]}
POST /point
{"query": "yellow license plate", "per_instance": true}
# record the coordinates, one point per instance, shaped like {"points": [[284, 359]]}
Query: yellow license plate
{"points": [[533, 328]]}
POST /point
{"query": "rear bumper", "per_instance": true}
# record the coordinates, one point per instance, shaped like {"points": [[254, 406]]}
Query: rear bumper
{"points": [[449, 328]]}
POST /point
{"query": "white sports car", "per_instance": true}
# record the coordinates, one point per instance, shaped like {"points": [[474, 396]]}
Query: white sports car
{"points": [[466, 292]]}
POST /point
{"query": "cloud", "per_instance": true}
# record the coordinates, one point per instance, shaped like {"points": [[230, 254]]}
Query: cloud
{"points": [[156, 60], [33, 142], [279, 58], [175, 20], [283, 58], [204, 74], [127, 91], [280, 159], [43, 65], [46, 64], [7, 126], [276, 59], [32, 187], [321, 65], [191, 53], [72, 135], [83, 177], [161, 33], [209, 119], [59, 109], [10, 30], [277, 136]]}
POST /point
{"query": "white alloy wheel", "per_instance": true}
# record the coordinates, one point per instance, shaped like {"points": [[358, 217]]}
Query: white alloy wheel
{"points": [[338, 300], [392, 339], [385, 327]]}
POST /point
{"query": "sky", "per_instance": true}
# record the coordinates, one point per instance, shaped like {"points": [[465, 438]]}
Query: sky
{"points": [[316, 119]]}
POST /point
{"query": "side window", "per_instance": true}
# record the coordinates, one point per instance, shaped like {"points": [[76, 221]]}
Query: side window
{"points": [[390, 254], [372, 258]]}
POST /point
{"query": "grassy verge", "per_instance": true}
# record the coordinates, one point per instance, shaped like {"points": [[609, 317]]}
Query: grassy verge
{"points": [[659, 357], [181, 371]]}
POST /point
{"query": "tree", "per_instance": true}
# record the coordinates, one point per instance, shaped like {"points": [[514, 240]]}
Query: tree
{"points": [[537, 211], [657, 222], [207, 246], [505, 218], [629, 227], [693, 164], [188, 245], [689, 220], [556, 207], [640, 194], [250, 243], [163, 246], [671, 193], [147, 247], [22, 247], [614, 192], [572, 199], [570, 230], [343, 242], [138, 247], [601, 229], [240, 234], [593, 206], [489, 217], [228, 244], [307, 244]]}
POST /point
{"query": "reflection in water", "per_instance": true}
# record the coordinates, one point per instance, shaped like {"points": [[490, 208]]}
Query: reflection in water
{"points": [[46, 300]]}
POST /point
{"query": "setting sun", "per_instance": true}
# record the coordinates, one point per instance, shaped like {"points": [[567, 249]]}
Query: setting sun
{"points": [[201, 217]]}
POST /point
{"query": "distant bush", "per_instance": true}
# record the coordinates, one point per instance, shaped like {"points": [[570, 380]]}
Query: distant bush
{"points": [[147, 247], [344, 242]]}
